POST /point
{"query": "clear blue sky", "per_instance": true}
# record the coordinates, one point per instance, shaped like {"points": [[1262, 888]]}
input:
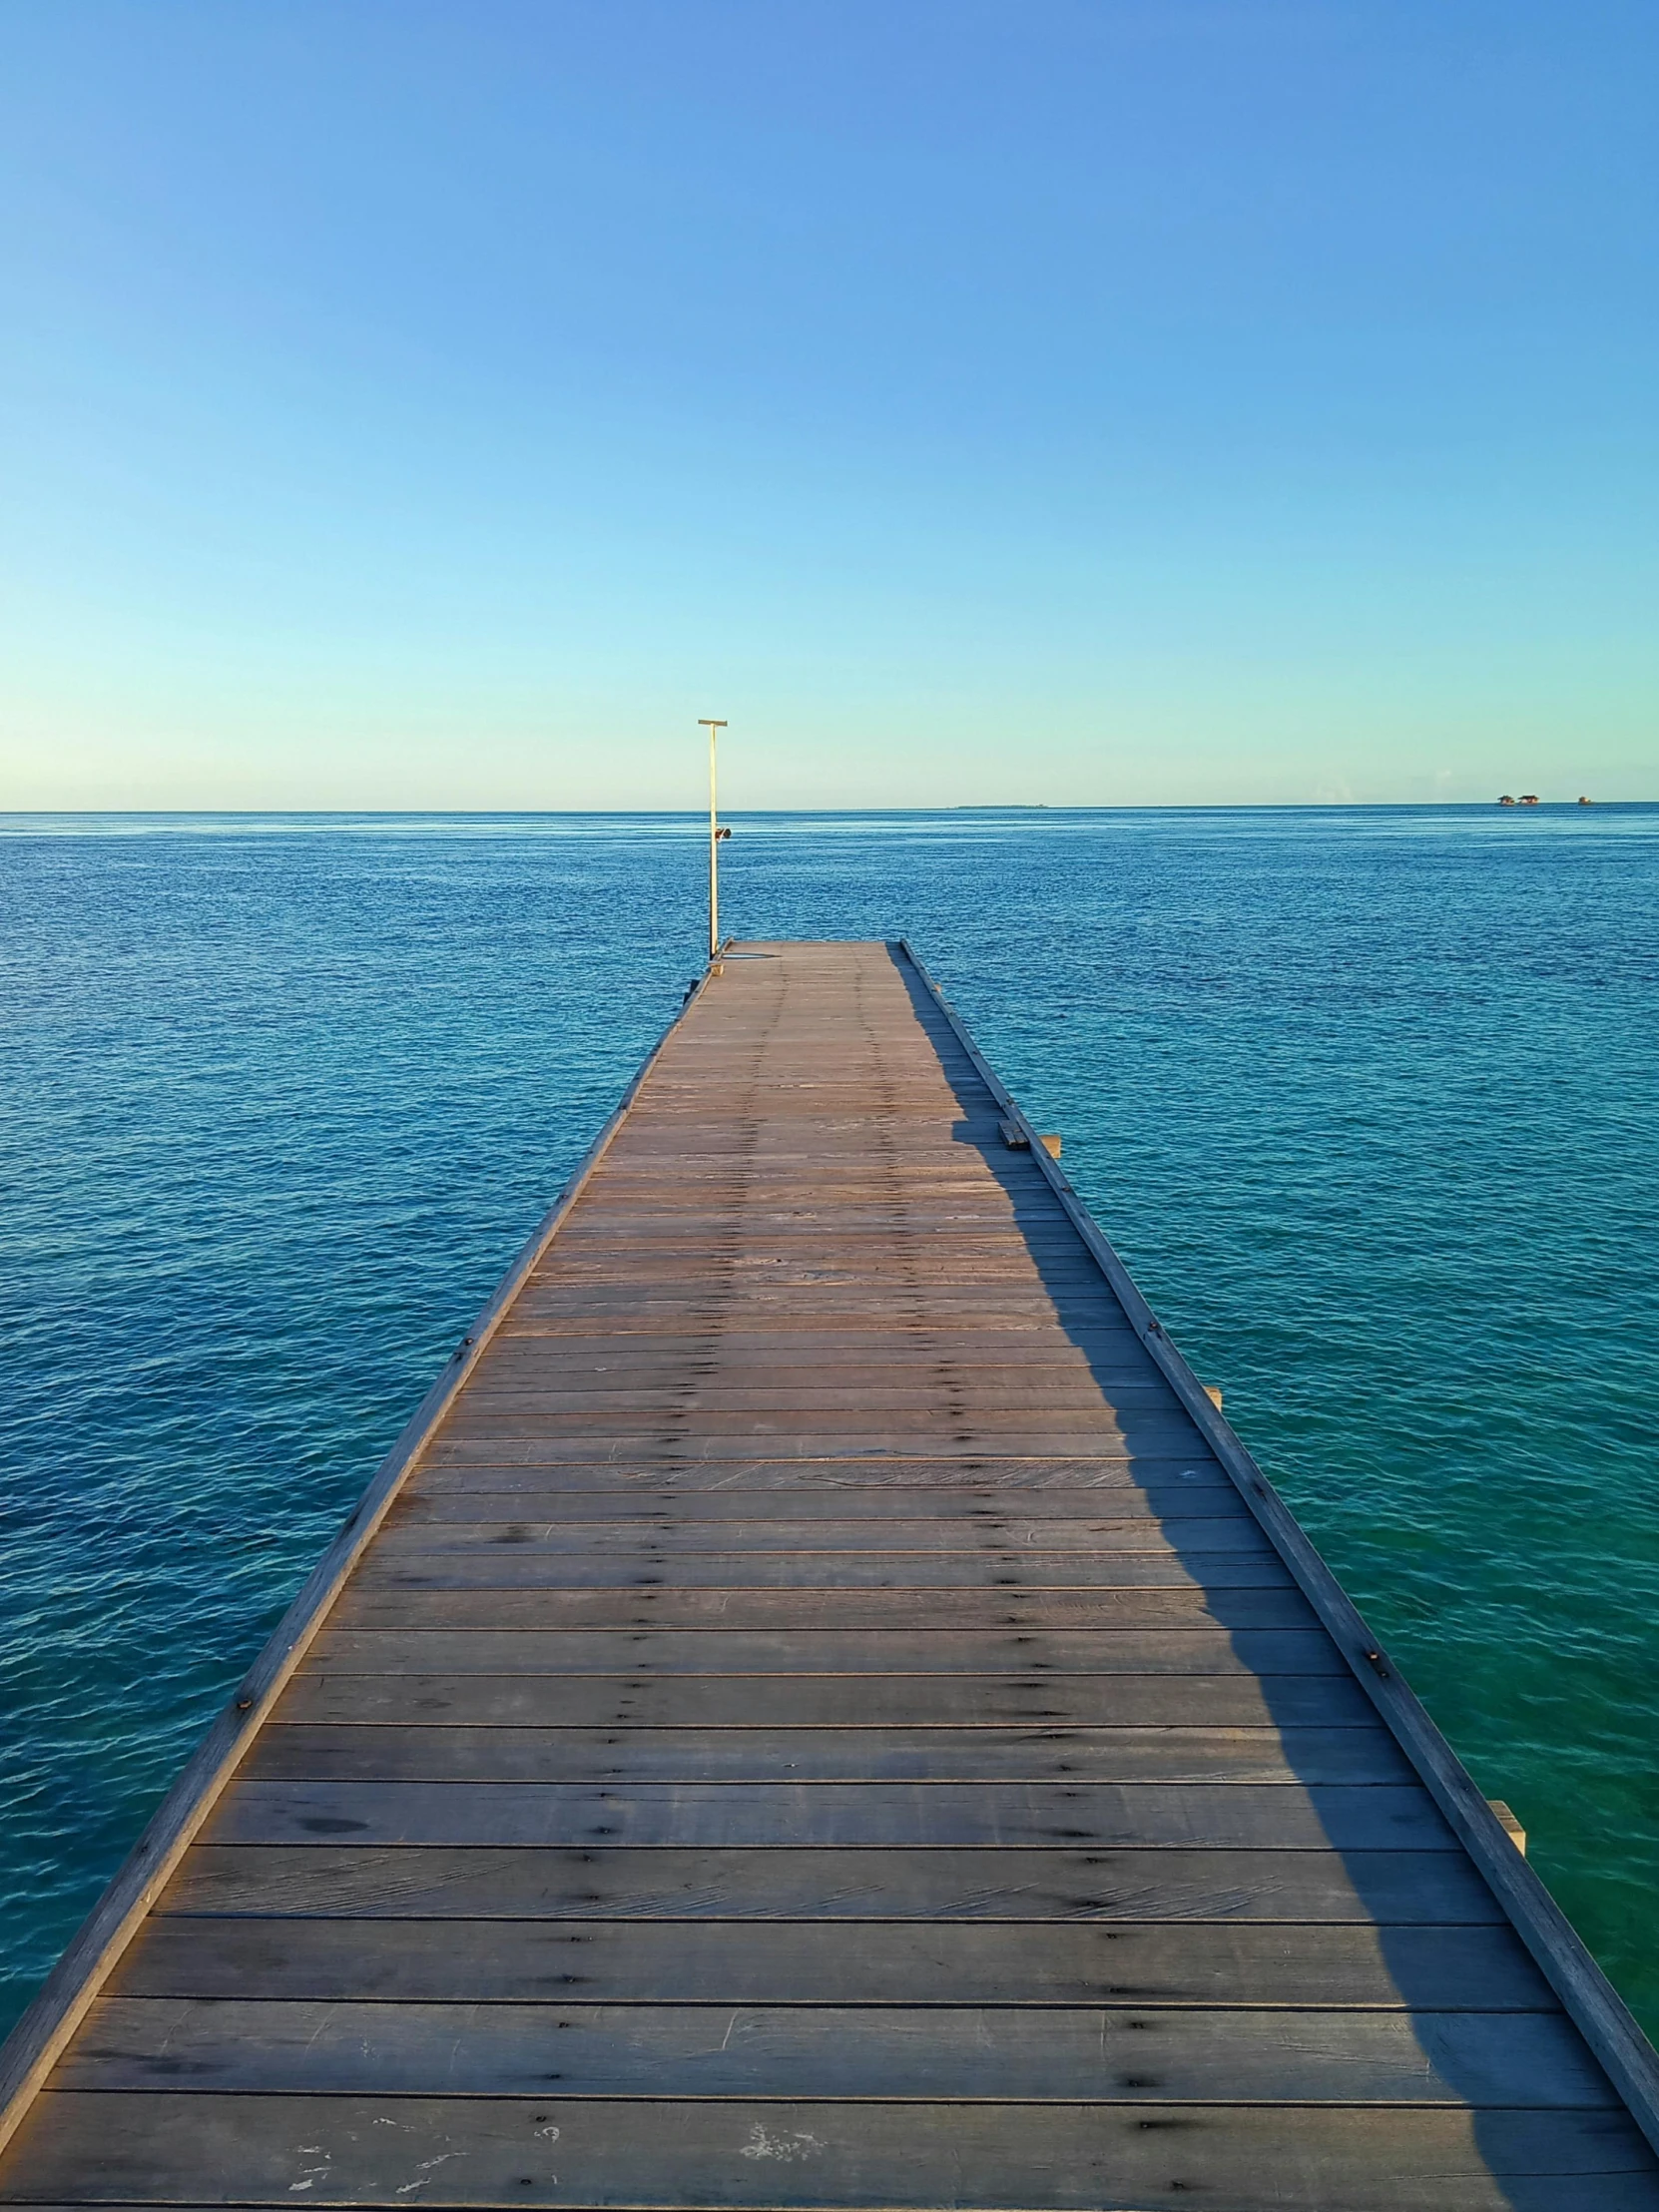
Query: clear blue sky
{"points": [[1074, 400]]}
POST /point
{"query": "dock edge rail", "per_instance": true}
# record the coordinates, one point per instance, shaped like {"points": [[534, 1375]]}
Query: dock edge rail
{"points": [[1592, 2004], [38, 2041]]}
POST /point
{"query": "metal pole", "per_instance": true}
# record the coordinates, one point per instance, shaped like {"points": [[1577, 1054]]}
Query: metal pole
{"points": [[712, 726]]}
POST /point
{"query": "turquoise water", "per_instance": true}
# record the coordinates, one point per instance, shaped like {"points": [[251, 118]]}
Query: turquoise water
{"points": [[1368, 1099]]}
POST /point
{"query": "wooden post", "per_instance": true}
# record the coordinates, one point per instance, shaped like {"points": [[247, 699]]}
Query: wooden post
{"points": [[1509, 1825]]}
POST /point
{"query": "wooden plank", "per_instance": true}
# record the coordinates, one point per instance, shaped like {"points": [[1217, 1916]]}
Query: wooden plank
{"points": [[898, 1249], [474, 1469], [904, 1279], [461, 1626], [1227, 1529], [781, 1217], [899, 1272], [965, 1701], [1047, 1752], [1129, 1429], [795, 1211], [1005, 1339], [963, 1299], [623, 1600], [1241, 1816], [178, 2148], [502, 1402], [828, 1519], [1212, 1529], [896, 1255], [1162, 1965], [1047, 2055], [1202, 1490], [873, 1493], [409, 1882], [671, 1445], [465, 1514], [1212, 1572], [557, 1363], [777, 1200], [819, 1239]]}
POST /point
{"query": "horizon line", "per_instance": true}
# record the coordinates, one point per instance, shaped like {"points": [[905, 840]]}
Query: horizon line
{"points": [[959, 806]]}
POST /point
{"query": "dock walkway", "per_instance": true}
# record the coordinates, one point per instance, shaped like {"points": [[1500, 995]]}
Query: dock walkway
{"points": [[817, 1714]]}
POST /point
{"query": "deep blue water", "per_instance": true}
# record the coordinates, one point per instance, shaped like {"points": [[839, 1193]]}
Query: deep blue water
{"points": [[1368, 1099]]}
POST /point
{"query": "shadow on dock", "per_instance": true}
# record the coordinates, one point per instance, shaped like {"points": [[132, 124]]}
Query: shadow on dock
{"points": [[1447, 2008]]}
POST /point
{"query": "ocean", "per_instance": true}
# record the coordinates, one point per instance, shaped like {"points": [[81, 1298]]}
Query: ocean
{"points": [[1368, 1098]]}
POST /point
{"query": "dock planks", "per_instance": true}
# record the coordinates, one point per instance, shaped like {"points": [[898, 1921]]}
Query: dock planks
{"points": [[825, 1719]]}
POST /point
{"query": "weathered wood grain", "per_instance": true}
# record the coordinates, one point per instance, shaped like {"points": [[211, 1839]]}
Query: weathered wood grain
{"points": [[650, 1450], [171, 2147], [1200, 1490], [821, 1436], [1154, 1883], [762, 1475], [892, 1815], [826, 1701], [461, 1468], [503, 1401], [1022, 1355], [447, 1631], [1049, 2054], [554, 1590], [1226, 1527], [1047, 1752], [1205, 1576], [1003, 1341], [717, 1963]]}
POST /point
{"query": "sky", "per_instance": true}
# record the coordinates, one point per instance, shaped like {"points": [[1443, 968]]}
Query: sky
{"points": [[1067, 402]]}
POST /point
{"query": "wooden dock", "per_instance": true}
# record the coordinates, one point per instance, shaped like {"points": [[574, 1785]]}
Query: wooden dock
{"points": [[820, 1710]]}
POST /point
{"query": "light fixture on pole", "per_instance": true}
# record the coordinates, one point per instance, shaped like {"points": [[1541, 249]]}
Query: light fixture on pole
{"points": [[706, 722]]}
